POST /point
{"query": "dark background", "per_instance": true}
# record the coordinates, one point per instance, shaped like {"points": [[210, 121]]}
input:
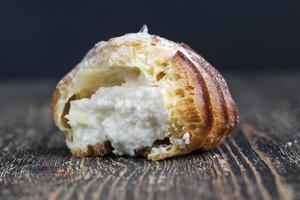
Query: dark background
{"points": [[42, 39]]}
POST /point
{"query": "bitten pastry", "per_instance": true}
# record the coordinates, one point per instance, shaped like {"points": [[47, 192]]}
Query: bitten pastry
{"points": [[143, 95]]}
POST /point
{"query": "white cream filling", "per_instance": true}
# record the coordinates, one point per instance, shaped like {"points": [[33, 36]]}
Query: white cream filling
{"points": [[180, 142], [131, 116]]}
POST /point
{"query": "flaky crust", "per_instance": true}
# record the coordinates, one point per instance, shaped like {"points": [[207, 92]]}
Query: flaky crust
{"points": [[196, 94]]}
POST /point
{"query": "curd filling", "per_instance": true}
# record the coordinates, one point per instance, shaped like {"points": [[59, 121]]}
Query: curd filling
{"points": [[131, 116]]}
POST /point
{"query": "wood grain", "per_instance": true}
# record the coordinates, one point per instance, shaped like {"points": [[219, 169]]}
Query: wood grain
{"points": [[260, 161]]}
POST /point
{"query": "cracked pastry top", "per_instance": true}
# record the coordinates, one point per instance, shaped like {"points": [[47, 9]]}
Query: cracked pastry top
{"points": [[143, 95]]}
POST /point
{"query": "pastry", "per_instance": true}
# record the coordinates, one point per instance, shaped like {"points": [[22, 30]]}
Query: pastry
{"points": [[143, 95]]}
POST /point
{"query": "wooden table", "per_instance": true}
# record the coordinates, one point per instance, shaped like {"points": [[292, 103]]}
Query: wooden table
{"points": [[260, 161]]}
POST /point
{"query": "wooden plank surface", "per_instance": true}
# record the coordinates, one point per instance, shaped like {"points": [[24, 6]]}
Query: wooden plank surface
{"points": [[260, 161]]}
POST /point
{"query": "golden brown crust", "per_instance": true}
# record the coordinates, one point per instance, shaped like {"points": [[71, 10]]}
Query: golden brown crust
{"points": [[193, 110], [64, 82], [93, 150], [203, 105], [212, 115]]}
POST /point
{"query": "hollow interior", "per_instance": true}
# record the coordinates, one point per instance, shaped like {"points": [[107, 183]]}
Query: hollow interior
{"points": [[129, 113]]}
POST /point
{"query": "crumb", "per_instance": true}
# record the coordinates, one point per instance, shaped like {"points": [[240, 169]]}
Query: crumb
{"points": [[186, 138]]}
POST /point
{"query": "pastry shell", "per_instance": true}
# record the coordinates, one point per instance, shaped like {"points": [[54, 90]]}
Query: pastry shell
{"points": [[204, 108]]}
